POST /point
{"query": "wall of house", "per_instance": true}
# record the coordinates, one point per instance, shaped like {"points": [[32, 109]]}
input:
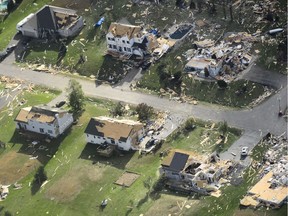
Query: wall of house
{"points": [[73, 29], [28, 26], [39, 127], [64, 122], [119, 44], [126, 146]]}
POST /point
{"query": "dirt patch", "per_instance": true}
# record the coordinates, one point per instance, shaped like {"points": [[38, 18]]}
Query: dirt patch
{"points": [[70, 184], [14, 166], [171, 205], [127, 179]]}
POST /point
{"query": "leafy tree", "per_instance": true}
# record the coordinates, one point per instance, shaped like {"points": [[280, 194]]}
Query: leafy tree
{"points": [[222, 84], [144, 111], [75, 96], [118, 110], [189, 124], [223, 128]]}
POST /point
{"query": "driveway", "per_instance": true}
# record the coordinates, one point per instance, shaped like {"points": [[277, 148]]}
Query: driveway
{"points": [[255, 122]]}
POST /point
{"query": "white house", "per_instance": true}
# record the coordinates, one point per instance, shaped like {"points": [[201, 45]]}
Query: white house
{"points": [[51, 20], [198, 65], [129, 39], [125, 134], [44, 120]]}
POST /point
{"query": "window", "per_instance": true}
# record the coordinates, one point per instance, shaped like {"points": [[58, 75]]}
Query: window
{"points": [[112, 141], [125, 49], [50, 131], [110, 46], [128, 42], [41, 130], [109, 38], [123, 41], [114, 47], [128, 49], [87, 135]]}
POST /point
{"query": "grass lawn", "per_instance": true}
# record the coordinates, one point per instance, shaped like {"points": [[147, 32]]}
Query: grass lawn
{"points": [[8, 27], [78, 179]]}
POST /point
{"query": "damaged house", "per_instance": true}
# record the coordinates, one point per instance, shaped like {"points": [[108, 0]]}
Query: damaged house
{"points": [[129, 40], [125, 134], [199, 65], [51, 21], [44, 120], [189, 171]]}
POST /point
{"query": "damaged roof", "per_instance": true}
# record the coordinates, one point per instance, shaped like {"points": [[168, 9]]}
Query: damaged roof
{"points": [[41, 113], [120, 30], [263, 191], [112, 128]]}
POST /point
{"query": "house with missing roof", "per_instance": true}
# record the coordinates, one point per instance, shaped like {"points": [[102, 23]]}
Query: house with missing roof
{"points": [[51, 21], [125, 134], [198, 66], [129, 40], [44, 120], [189, 168]]}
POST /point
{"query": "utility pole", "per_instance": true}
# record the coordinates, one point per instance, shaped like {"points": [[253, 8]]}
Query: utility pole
{"points": [[279, 102]]}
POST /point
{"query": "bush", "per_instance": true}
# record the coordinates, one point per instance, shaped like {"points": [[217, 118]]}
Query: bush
{"points": [[118, 110], [144, 111]]}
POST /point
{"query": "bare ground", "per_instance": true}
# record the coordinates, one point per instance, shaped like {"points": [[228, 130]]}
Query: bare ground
{"points": [[70, 184], [171, 205], [14, 166]]}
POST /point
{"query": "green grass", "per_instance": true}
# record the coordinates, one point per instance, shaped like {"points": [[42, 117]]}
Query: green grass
{"points": [[191, 140], [8, 27], [210, 92], [39, 95]]}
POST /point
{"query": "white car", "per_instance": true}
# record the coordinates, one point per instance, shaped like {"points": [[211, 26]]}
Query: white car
{"points": [[244, 151]]}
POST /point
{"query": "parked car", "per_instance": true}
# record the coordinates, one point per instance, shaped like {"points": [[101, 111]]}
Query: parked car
{"points": [[3, 55], [244, 151], [60, 104]]}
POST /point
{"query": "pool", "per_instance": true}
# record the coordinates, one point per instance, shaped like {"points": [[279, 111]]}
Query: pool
{"points": [[180, 32]]}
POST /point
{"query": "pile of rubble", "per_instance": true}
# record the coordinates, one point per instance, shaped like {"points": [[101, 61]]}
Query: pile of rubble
{"points": [[224, 60], [4, 191], [189, 172], [271, 190]]}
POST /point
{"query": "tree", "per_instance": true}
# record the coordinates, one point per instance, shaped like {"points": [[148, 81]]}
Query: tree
{"points": [[118, 110], [144, 111], [223, 128], [222, 84], [75, 96]]}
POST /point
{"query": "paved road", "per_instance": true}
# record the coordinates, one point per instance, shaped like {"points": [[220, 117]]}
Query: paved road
{"points": [[264, 116], [262, 119]]}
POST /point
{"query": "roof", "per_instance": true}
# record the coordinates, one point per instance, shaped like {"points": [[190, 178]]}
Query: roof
{"points": [[264, 193], [179, 161], [112, 128], [51, 17], [175, 160], [120, 30], [41, 113], [198, 63]]}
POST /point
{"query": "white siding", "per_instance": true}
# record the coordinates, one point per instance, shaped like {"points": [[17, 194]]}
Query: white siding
{"points": [[64, 122]]}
